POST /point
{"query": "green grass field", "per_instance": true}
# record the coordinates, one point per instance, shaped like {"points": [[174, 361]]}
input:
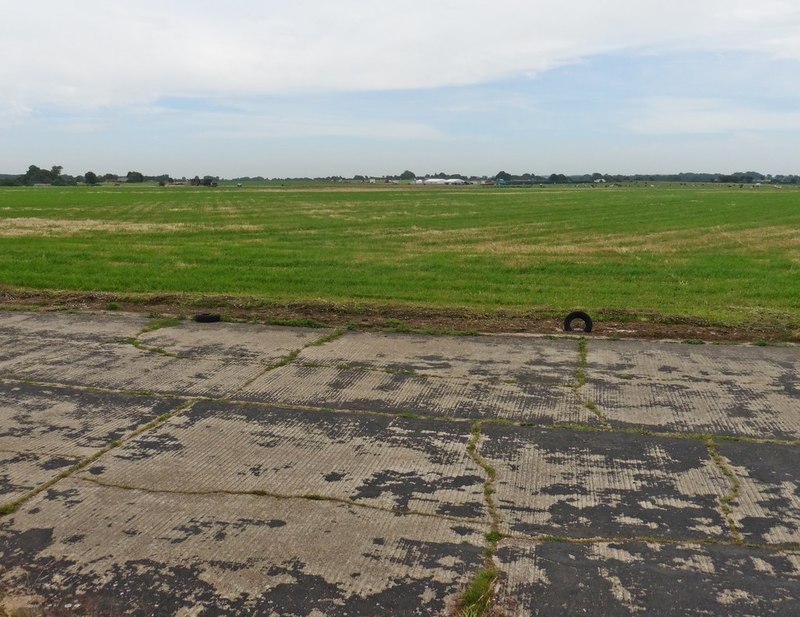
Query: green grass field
{"points": [[726, 254]]}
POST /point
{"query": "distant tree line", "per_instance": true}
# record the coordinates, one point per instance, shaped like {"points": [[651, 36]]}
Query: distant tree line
{"points": [[744, 177], [205, 181], [54, 176], [37, 175], [503, 177]]}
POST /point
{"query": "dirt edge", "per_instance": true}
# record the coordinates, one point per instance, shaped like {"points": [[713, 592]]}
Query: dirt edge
{"points": [[612, 323]]}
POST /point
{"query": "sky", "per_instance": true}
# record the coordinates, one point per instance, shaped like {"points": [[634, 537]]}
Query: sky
{"points": [[291, 88]]}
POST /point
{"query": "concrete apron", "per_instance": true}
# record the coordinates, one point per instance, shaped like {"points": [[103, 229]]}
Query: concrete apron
{"points": [[242, 469]]}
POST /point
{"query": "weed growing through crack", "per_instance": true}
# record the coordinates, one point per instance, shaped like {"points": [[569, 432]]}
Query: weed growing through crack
{"points": [[288, 359], [580, 380], [478, 595], [302, 322], [580, 369], [158, 322], [735, 487], [328, 338], [157, 350]]}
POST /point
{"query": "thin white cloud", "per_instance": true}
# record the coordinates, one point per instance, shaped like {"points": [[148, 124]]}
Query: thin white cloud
{"points": [[671, 116], [260, 128], [106, 53]]}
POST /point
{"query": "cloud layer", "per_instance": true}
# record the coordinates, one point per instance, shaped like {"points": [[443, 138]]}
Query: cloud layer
{"points": [[110, 53], [314, 87]]}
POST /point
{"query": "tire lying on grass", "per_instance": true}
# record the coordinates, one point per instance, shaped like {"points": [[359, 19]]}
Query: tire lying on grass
{"points": [[580, 316], [207, 317]]}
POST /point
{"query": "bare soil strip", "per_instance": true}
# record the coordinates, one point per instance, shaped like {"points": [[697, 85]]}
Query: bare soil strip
{"points": [[611, 323]]}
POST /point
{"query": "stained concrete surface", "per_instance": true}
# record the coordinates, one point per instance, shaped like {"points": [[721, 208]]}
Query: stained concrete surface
{"points": [[238, 469], [379, 391], [393, 463], [640, 578], [45, 430], [767, 504], [723, 389], [121, 551], [581, 484]]}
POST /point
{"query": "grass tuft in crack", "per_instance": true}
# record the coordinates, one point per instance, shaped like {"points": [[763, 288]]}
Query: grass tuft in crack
{"points": [[158, 322], [157, 350], [733, 492], [337, 333], [580, 381], [478, 596], [580, 369]]}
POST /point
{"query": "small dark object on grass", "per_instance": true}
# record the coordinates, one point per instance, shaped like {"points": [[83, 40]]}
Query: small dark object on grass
{"points": [[207, 317], [587, 321]]}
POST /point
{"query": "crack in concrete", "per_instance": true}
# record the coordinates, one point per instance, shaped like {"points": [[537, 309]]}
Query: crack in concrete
{"points": [[580, 381], [479, 595], [699, 542], [275, 495], [292, 356], [135, 342], [556, 426], [95, 389], [733, 492], [13, 506]]}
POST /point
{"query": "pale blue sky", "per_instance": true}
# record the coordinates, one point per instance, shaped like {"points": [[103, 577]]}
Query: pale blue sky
{"points": [[312, 88]]}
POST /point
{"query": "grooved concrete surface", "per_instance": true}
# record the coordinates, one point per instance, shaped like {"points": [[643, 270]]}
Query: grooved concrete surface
{"points": [[238, 469]]}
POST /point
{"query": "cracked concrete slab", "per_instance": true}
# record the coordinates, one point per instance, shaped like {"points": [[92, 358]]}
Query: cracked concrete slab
{"points": [[629, 578], [213, 360], [23, 472], [581, 484], [767, 507], [124, 367], [721, 389], [315, 486], [367, 390], [513, 359], [132, 552], [45, 430], [242, 343], [384, 462], [70, 326]]}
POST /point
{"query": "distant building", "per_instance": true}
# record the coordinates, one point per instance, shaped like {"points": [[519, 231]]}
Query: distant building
{"points": [[444, 181]]}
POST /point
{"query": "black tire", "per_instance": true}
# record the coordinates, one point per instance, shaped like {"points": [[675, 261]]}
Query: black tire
{"points": [[207, 317], [587, 321]]}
